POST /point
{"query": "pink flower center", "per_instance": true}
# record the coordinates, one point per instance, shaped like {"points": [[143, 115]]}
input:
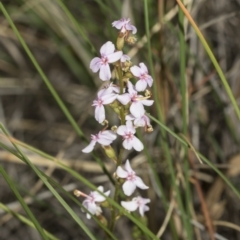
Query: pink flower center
{"points": [[134, 98], [131, 176], [128, 136], [99, 102], [95, 137], [104, 60], [143, 76]]}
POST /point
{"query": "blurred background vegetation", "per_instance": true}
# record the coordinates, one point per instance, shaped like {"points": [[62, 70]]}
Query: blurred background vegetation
{"points": [[64, 36]]}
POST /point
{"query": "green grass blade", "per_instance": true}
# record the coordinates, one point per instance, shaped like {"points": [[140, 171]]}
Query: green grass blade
{"points": [[213, 59], [24, 205], [77, 25], [164, 142], [49, 186], [184, 94], [182, 141], [25, 220], [85, 181], [51, 88]]}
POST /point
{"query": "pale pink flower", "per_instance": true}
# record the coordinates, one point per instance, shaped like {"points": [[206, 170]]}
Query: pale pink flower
{"points": [[137, 202], [107, 56], [142, 74], [130, 141], [142, 121], [104, 96], [124, 25], [104, 138], [137, 101], [92, 201], [132, 181]]}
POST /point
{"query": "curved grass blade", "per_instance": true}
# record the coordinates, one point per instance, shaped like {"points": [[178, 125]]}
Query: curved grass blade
{"points": [[86, 182], [49, 186], [24, 205], [212, 57], [25, 220], [51, 88], [204, 159]]}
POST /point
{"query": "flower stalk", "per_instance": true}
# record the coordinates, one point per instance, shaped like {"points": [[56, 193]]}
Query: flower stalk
{"points": [[128, 101]]}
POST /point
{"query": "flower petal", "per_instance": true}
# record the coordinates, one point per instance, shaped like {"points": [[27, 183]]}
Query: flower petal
{"points": [[114, 56], [128, 166], [121, 173], [121, 130], [109, 98], [137, 144], [143, 67], [147, 102], [136, 71], [130, 206], [90, 147], [124, 98], [137, 109], [105, 73], [100, 114], [141, 85], [127, 144], [106, 138], [107, 48], [95, 64], [139, 183], [143, 209], [128, 188]]}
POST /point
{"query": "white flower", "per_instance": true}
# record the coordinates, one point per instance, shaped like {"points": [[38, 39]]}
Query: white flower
{"points": [[104, 96], [130, 141], [144, 78], [124, 25], [137, 101], [137, 202], [107, 56], [142, 121], [105, 138], [132, 181], [92, 200]]}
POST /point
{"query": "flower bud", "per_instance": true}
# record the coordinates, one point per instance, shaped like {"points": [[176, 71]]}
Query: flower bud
{"points": [[128, 75], [110, 152], [103, 220], [120, 42], [105, 204]]}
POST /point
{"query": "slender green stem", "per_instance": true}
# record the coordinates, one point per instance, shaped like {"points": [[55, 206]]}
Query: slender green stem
{"points": [[184, 94]]}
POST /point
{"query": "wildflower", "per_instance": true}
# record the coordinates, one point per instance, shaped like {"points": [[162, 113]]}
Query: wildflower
{"points": [[136, 108], [107, 56], [105, 138], [137, 202], [124, 25], [142, 121], [104, 96], [130, 141], [92, 201], [142, 74], [132, 181]]}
